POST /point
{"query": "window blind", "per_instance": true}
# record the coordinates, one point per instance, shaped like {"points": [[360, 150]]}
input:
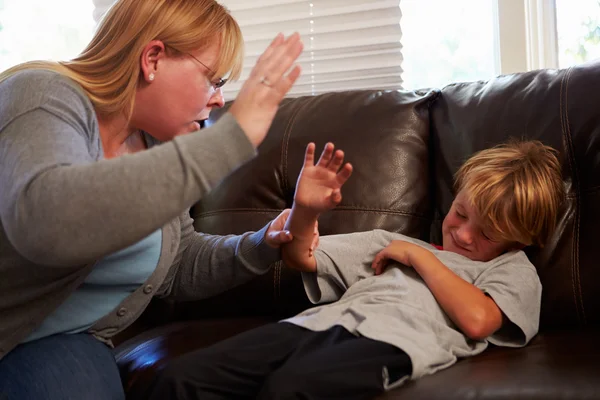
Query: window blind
{"points": [[348, 44]]}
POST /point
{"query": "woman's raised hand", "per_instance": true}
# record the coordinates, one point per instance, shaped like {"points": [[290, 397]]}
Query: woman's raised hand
{"points": [[268, 83]]}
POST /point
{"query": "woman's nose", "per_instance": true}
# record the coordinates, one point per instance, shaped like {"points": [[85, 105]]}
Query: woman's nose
{"points": [[216, 100]]}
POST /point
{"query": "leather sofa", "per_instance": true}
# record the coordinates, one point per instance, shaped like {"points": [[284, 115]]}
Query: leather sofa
{"points": [[405, 147]]}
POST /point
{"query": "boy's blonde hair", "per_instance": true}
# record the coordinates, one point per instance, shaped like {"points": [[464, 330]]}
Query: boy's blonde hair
{"points": [[516, 189], [109, 69]]}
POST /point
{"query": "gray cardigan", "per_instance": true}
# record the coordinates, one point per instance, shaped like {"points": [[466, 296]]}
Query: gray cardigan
{"points": [[63, 207]]}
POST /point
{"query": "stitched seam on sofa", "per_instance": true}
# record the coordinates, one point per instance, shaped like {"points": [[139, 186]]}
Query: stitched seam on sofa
{"points": [[576, 248], [568, 144], [578, 202], [337, 209], [285, 147], [383, 211], [566, 147]]}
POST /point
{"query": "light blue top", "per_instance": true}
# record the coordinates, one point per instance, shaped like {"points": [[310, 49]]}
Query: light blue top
{"points": [[113, 279]]}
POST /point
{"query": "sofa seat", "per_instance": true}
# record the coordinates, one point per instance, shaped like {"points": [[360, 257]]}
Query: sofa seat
{"points": [[140, 357], [556, 365]]}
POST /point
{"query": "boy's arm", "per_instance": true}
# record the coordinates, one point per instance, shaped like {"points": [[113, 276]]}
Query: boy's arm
{"points": [[297, 254], [475, 314], [318, 190]]}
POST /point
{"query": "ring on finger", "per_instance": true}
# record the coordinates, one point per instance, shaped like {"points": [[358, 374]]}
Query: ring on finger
{"points": [[265, 81]]}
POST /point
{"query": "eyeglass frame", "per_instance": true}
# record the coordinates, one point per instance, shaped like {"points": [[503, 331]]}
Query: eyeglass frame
{"points": [[219, 84]]}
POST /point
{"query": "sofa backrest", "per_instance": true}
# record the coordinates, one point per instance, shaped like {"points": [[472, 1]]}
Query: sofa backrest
{"points": [[562, 109], [384, 134], [405, 147]]}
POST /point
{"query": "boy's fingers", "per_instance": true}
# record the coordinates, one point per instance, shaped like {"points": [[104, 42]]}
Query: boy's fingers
{"points": [[326, 155], [336, 161], [309, 156], [344, 173], [376, 266], [374, 263], [336, 196], [379, 262]]}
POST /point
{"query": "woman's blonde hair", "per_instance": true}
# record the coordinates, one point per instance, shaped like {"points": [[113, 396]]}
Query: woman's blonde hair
{"points": [[109, 69], [516, 189]]}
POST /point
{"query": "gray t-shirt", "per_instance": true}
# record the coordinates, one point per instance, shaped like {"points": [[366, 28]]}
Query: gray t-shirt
{"points": [[398, 308]]}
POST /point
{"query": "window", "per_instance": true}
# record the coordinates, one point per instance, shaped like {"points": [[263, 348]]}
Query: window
{"points": [[548, 33], [578, 28], [447, 41], [42, 29]]}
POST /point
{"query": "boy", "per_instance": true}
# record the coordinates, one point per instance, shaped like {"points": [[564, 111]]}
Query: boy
{"points": [[412, 320]]}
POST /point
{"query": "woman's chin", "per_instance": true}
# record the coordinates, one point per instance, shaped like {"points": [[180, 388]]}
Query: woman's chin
{"points": [[189, 128]]}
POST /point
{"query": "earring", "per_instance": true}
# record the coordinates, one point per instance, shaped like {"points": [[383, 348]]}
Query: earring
{"points": [[151, 76]]}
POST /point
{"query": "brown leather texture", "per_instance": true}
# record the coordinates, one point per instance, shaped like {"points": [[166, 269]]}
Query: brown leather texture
{"points": [[405, 147], [555, 365]]}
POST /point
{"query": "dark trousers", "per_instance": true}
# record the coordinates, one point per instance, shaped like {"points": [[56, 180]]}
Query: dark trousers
{"points": [[284, 361]]}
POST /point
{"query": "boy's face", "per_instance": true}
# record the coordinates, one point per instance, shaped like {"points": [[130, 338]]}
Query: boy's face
{"points": [[464, 233]]}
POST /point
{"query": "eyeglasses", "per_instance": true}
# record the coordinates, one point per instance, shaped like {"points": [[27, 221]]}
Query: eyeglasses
{"points": [[216, 85]]}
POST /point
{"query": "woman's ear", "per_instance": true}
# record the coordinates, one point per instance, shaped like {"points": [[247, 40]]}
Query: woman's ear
{"points": [[151, 54]]}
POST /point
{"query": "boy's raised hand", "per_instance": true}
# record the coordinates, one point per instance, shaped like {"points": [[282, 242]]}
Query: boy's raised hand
{"points": [[318, 187]]}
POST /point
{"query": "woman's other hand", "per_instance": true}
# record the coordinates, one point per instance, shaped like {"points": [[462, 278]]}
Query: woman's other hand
{"points": [[268, 83], [276, 235]]}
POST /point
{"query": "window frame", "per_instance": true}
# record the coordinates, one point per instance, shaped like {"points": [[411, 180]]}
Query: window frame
{"points": [[527, 35]]}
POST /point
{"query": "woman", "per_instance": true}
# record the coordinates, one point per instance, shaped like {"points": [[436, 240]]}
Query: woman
{"points": [[94, 209]]}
